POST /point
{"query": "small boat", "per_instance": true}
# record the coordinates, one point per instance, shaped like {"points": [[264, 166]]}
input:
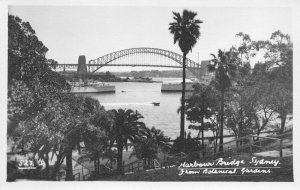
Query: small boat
{"points": [[156, 103]]}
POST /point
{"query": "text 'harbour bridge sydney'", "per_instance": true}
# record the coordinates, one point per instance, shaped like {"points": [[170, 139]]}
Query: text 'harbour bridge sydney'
{"points": [[140, 57]]}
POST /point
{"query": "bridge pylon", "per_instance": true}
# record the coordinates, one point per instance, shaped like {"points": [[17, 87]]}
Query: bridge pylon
{"points": [[82, 68]]}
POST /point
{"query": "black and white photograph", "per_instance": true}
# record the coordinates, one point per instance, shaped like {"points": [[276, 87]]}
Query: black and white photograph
{"points": [[183, 92]]}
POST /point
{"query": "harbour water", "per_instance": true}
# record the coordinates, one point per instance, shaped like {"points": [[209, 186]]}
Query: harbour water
{"points": [[139, 96]]}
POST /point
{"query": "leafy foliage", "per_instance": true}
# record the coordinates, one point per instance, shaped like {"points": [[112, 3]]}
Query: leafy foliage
{"points": [[224, 66], [200, 108], [26, 57], [31, 82], [187, 145], [42, 118], [150, 143], [258, 93]]}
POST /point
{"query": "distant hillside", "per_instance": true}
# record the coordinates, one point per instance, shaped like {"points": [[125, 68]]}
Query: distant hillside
{"points": [[153, 73], [115, 76], [104, 77]]}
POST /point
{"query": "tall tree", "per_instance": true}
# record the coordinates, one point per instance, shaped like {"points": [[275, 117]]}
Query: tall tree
{"points": [[224, 67], [283, 103], [240, 111], [280, 53], [185, 30], [34, 90], [199, 107], [126, 128], [96, 134], [54, 130], [28, 66], [279, 66], [27, 57]]}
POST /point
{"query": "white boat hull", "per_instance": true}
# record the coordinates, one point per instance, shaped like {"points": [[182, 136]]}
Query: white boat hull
{"points": [[176, 87], [92, 89]]}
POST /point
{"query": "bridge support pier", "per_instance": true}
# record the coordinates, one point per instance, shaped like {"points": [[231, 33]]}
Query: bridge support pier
{"points": [[82, 68]]}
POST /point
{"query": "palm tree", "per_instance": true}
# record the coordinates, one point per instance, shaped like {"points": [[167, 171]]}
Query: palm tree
{"points": [[96, 144], [148, 146], [224, 68], [89, 121], [93, 133], [126, 128], [160, 139], [145, 149], [186, 32]]}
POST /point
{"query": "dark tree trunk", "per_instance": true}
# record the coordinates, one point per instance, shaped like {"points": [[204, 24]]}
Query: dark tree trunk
{"points": [[144, 164], [236, 136], [149, 163], [198, 136], [98, 164], [258, 133], [222, 122], [46, 159], [95, 166], [55, 170], [111, 164], [282, 126], [182, 98], [69, 167], [79, 148], [60, 158], [120, 158], [216, 142], [202, 131], [202, 126]]}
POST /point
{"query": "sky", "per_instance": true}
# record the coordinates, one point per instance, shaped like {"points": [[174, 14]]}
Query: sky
{"points": [[93, 31]]}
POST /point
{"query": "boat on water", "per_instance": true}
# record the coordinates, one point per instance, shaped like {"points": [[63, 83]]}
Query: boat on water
{"points": [[91, 87], [155, 103], [176, 86], [139, 79]]}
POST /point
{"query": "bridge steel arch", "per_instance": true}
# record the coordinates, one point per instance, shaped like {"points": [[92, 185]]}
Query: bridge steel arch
{"points": [[191, 65]]}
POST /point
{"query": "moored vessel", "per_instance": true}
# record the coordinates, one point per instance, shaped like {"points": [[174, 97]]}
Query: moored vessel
{"points": [[176, 86], [91, 87]]}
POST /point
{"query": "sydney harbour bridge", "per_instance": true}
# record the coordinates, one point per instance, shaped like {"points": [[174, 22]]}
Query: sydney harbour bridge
{"points": [[138, 57]]}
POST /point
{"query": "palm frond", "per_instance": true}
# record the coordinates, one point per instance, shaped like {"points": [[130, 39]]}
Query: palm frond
{"points": [[211, 67], [198, 21], [214, 56], [185, 30], [177, 17]]}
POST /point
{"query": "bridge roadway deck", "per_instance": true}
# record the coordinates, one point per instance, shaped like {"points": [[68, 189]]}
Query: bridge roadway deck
{"points": [[129, 65]]}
